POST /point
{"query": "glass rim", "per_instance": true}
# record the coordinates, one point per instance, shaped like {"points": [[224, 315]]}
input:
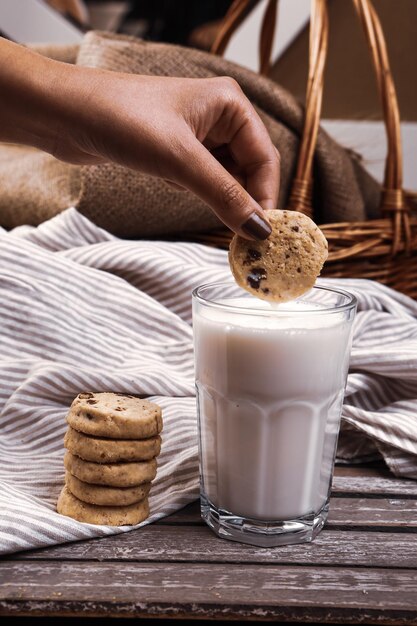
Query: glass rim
{"points": [[349, 305]]}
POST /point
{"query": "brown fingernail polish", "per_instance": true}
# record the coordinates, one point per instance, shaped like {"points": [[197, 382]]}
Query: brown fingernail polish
{"points": [[257, 227]]}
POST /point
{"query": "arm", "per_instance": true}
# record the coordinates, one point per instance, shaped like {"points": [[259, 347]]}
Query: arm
{"points": [[200, 134]]}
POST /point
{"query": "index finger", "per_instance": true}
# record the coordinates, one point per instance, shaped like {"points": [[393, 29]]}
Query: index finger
{"points": [[253, 150]]}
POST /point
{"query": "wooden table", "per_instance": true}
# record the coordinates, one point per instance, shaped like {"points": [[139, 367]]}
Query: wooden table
{"points": [[362, 568]]}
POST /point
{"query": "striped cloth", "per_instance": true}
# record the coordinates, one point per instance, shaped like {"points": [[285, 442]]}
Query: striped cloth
{"points": [[82, 310]]}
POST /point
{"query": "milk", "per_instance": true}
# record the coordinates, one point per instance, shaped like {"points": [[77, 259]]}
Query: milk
{"points": [[270, 388]]}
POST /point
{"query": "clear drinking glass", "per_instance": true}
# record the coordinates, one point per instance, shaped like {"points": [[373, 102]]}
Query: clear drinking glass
{"points": [[270, 383]]}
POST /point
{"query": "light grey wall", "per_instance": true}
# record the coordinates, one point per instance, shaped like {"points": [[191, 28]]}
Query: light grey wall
{"points": [[292, 17], [33, 21]]}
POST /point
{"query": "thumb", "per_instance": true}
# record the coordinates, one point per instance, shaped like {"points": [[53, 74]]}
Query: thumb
{"points": [[202, 174]]}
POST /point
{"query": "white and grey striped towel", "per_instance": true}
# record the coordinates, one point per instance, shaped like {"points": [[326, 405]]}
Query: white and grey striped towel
{"points": [[83, 310]]}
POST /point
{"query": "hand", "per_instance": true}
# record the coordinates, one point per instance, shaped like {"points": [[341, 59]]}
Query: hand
{"points": [[201, 134]]}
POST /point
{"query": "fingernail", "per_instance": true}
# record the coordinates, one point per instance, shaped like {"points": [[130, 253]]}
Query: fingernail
{"points": [[257, 227]]}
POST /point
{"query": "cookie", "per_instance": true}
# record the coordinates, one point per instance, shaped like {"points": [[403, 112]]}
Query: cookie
{"points": [[107, 496], [114, 415], [285, 265], [101, 450], [71, 506], [111, 474]]}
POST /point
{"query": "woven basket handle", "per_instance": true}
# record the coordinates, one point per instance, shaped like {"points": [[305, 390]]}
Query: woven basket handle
{"points": [[392, 198], [300, 197], [237, 13]]}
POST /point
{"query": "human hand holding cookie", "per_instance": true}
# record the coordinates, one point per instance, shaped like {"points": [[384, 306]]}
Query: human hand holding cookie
{"points": [[284, 266]]}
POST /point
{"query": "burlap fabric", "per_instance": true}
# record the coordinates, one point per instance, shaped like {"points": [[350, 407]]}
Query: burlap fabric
{"points": [[34, 186]]}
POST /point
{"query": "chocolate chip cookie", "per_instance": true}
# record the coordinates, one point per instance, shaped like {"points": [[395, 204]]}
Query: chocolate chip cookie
{"points": [[71, 506], [105, 496], [284, 266], [117, 416], [111, 474], [101, 450]]}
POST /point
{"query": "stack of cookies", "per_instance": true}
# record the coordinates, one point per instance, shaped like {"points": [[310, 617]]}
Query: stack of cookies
{"points": [[112, 443]]}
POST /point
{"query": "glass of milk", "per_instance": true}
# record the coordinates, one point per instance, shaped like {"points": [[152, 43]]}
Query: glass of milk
{"points": [[270, 383]]}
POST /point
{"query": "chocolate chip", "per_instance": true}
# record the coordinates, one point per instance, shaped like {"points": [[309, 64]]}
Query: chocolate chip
{"points": [[89, 416], [255, 276], [295, 228], [299, 270], [120, 408], [123, 395], [265, 290], [84, 396], [254, 255], [92, 401]]}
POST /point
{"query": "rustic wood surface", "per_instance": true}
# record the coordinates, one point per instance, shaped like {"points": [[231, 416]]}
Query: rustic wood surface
{"points": [[362, 568]]}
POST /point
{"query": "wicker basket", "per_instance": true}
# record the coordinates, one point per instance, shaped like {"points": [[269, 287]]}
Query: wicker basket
{"points": [[384, 249]]}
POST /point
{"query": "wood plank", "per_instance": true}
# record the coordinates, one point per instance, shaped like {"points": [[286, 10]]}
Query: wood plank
{"points": [[190, 514], [375, 468], [383, 596], [374, 486], [391, 513], [375, 513], [198, 544]]}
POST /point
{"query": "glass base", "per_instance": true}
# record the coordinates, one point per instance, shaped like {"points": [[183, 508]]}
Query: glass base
{"points": [[265, 534]]}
